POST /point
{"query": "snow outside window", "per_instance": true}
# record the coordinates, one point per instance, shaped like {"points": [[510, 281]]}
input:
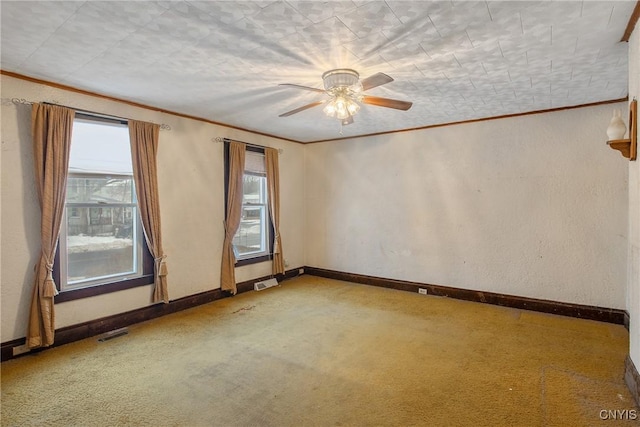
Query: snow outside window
{"points": [[100, 238]]}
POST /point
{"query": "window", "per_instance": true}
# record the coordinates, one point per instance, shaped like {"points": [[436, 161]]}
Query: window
{"points": [[253, 240], [101, 239]]}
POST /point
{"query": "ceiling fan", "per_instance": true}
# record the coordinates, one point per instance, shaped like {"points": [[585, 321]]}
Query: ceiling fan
{"points": [[345, 91]]}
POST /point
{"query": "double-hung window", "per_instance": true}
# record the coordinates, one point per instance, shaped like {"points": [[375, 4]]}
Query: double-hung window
{"points": [[101, 241], [253, 240]]}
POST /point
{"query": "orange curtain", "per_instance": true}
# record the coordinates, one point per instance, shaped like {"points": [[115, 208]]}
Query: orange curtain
{"points": [[273, 186], [234, 214], [51, 127], [144, 150]]}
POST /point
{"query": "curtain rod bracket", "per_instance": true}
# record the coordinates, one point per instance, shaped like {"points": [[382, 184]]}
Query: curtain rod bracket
{"points": [[21, 101]]}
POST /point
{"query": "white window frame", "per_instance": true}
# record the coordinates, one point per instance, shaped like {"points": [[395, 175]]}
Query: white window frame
{"points": [[137, 234], [263, 206]]}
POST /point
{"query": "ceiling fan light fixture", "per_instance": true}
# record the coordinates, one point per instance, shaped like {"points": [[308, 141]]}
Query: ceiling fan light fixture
{"points": [[330, 109], [353, 107], [345, 91], [341, 107]]}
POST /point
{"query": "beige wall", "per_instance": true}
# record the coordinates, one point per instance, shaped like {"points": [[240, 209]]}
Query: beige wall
{"points": [[190, 168], [534, 206], [633, 284]]}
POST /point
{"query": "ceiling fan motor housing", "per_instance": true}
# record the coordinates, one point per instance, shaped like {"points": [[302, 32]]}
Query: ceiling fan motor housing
{"points": [[341, 78]]}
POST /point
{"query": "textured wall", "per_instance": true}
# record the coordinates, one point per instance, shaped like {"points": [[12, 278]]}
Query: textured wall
{"points": [[190, 168], [633, 290], [534, 206]]}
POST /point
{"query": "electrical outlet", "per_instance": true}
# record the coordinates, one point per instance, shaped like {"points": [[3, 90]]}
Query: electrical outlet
{"points": [[422, 291], [300, 271]]}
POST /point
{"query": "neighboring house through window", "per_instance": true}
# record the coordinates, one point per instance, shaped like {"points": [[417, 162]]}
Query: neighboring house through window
{"points": [[101, 244]]}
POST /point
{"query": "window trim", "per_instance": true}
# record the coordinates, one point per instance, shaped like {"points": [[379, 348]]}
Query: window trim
{"points": [[270, 240], [119, 283], [147, 278]]}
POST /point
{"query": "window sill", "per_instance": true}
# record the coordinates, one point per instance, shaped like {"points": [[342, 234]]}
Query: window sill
{"points": [[255, 260], [103, 289]]}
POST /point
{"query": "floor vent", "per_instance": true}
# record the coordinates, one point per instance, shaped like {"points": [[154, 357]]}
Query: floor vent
{"points": [[21, 349], [269, 283], [113, 334]]}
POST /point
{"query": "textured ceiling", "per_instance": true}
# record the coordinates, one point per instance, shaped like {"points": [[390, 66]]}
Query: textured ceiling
{"points": [[223, 60]]}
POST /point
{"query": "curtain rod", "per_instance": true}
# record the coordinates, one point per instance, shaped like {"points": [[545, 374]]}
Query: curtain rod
{"points": [[81, 111], [105, 116], [220, 139]]}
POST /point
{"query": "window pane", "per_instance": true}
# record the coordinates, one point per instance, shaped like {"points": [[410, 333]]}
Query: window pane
{"points": [[250, 237], [100, 242], [99, 189], [100, 148], [253, 189]]}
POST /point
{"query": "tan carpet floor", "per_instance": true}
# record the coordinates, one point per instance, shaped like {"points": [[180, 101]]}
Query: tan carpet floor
{"points": [[318, 352]]}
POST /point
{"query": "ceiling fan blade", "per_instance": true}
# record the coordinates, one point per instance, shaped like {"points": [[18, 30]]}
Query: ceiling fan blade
{"points": [[386, 102], [302, 87], [376, 80], [304, 107]]}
